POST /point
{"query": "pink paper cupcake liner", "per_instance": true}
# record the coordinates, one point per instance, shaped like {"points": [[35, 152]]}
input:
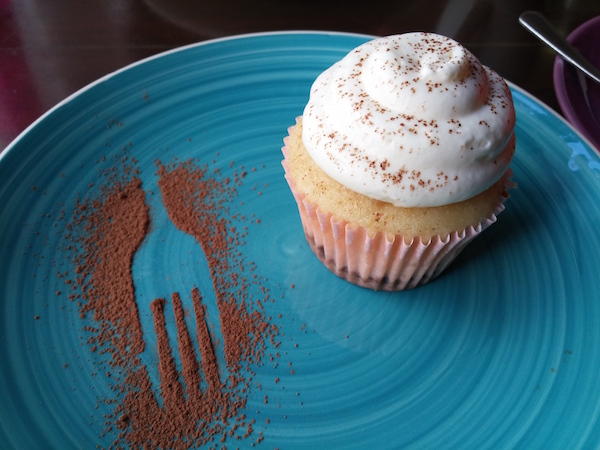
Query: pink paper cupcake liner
{"points": [[376, 262]]}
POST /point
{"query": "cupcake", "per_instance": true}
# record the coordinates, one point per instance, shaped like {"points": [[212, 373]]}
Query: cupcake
{"points": [[400, 159]]}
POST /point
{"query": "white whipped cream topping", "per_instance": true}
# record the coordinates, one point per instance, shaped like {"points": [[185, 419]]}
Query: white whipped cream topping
{"points": [[412, 119]]}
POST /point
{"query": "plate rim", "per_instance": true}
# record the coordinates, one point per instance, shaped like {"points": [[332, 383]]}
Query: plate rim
{"points": [[243, 36], [163, 54], [526, 97]]}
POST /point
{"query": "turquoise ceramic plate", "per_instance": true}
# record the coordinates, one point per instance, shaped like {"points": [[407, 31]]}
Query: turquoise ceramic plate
{"points": [[501, 351]]}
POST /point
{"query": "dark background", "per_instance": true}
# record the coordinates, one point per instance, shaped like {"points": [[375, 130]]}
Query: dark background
{"points": [[51, 48]]}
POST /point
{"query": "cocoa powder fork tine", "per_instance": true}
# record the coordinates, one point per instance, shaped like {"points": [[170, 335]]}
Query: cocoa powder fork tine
{"points": [[170, 387], [189, 364], [207, 351]]}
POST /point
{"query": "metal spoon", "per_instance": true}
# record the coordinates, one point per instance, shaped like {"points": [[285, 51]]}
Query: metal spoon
{"points": [[539, 26]]}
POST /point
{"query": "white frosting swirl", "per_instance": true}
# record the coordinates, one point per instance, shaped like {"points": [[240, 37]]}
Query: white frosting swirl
{"points": [[412, 119]]}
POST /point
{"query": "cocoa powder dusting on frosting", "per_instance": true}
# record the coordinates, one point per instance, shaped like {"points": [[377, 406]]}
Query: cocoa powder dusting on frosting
{"points": [[196, 405]]}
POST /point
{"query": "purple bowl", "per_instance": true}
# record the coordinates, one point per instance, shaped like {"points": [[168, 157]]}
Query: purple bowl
{"points": [[577, 95]]}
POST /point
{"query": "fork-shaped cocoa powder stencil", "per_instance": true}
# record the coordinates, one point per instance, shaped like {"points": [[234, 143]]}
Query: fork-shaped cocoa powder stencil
{"points": [[195, 406]]}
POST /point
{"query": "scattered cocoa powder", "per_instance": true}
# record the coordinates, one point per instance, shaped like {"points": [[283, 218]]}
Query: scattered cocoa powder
{"points": [[106, 230], [114, 225], [193, 201]]}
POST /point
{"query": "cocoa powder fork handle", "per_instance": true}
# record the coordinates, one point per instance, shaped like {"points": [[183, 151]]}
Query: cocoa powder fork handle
{"points": [[539, 26]]}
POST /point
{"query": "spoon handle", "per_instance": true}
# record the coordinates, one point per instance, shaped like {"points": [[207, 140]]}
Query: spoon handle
{"points": [[539, 26]]}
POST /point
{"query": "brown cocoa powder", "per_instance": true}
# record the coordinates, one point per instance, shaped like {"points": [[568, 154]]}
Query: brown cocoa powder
{"points": [[192, 200], [194, 406], [114, 226]]}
